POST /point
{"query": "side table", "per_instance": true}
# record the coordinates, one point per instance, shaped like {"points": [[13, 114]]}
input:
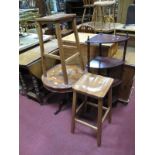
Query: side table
{"points": [[108, 66]]}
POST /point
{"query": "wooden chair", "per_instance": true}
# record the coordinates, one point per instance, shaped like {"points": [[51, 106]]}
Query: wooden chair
{"points": [[130, 19], [88, 5], [104, 11], [86, 29], [94, 86], [61, 77]]}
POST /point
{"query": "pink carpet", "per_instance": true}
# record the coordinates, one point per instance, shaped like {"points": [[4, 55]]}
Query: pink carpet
{"points": [[43, 133]]}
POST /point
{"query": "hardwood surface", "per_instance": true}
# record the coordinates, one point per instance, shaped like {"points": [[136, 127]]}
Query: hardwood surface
{"points": [[107, 38], [55, 80], [60, 17], [82, 38], [93, 85], [33, 54], [104, 62], [127, 82]]}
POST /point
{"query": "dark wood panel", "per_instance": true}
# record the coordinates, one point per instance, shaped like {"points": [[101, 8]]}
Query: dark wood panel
{"points": [[127, 82]]}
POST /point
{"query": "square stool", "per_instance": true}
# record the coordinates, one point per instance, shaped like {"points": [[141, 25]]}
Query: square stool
{"points": [[104, 11], [95, 86]]}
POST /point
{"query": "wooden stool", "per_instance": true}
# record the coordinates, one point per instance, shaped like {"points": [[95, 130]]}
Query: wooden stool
{"points": [[61, 77], [97, 87], [88, 5], [102, 12]]}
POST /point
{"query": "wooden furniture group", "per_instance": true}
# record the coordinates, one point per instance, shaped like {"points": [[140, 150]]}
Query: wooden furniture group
{"points": [[69, 77], [64, 78]]}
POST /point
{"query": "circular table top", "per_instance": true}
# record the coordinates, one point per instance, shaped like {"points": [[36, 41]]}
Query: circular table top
{"points": [[54, 80]]}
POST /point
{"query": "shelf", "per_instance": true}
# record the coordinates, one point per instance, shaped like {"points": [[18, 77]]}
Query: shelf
{"points": [[104, 62]]}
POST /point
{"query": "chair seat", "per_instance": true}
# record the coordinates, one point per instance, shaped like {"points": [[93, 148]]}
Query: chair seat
{"points": [[55, 79], [104, 3], [93, 85]]}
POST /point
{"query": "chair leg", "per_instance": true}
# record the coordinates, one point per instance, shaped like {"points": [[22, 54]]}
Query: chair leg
{"points": [[94, 17], [110, 104], [77, 43], [73, 112], [99, 122], [83, 17]]}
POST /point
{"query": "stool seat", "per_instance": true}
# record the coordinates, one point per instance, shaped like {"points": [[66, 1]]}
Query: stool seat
{"points": [[60, 17], [93, 85], [55, 77], [104, 3], [88, 5]]}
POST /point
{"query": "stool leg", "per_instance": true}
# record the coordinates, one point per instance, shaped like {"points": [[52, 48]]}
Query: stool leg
{"points": [[77, 42], [61, 52], [110, 104], [102, 18], [99, 122], [94, 19], [73, 112], [83, 17]]}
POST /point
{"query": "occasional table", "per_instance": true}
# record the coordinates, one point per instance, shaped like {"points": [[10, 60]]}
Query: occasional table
{"points": [[109, 66]]}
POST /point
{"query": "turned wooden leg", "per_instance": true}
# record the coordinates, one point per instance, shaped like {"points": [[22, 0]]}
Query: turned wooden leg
{"points": [[36, 88], [73, 112], [99, 122], [23, 84], [110, 104]]}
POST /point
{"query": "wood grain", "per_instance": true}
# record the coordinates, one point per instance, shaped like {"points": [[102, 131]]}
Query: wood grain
{"points": [[93, 85]]}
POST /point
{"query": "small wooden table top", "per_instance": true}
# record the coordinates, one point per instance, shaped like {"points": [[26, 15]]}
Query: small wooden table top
{"points": [[82, 38]]}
